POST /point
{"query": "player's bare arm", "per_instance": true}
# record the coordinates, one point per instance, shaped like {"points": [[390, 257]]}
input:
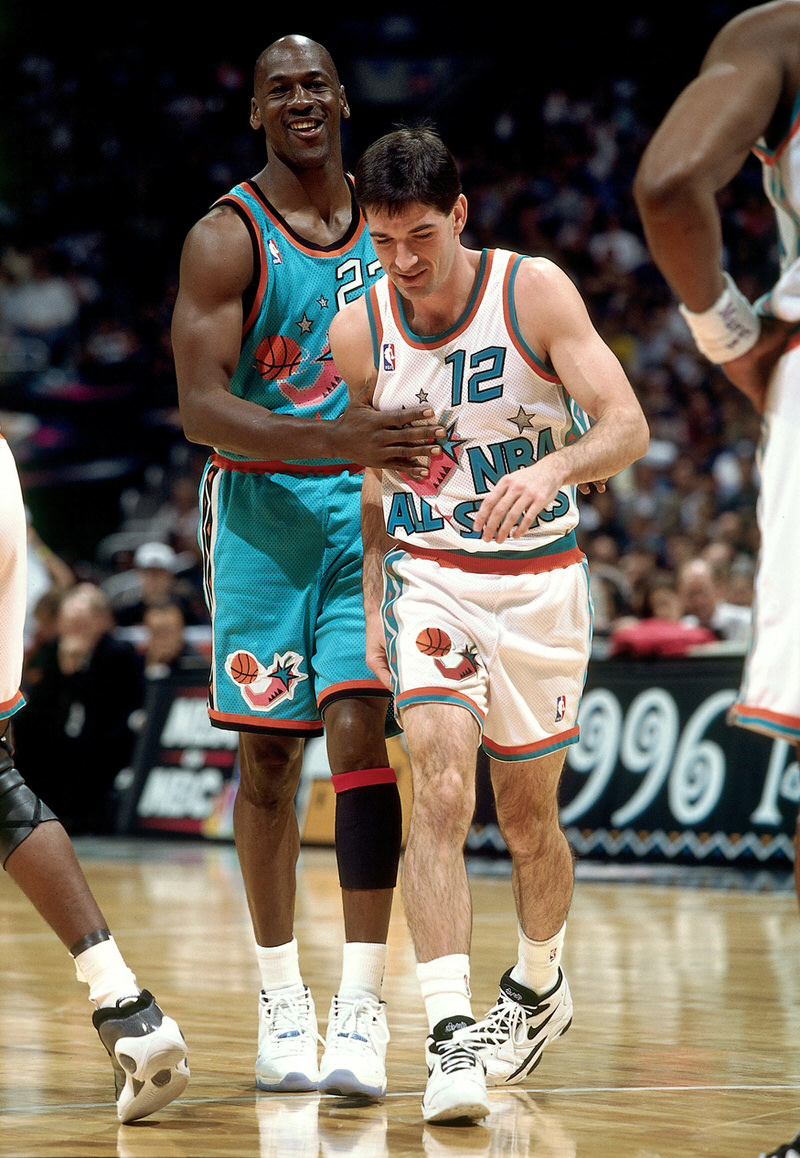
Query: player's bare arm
{"points": [[216, 269], [376, 544], [699, 148], [554, 321]]}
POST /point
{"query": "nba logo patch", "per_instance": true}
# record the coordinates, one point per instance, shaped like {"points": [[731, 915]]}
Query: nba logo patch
{"points": [[561, 708], [274, 252], [388, 356]]}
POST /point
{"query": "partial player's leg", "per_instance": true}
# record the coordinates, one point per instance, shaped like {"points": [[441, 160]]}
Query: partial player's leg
{"points": [[368, 830], [534, 1006], [268, 844], [147, 1049], [442, 742]]}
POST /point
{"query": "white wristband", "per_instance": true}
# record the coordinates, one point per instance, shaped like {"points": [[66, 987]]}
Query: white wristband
{"points": [[728, 329]]}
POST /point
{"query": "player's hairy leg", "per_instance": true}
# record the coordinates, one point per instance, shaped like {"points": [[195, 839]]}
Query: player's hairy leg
{"points": [[542, 874], [442, 743]]}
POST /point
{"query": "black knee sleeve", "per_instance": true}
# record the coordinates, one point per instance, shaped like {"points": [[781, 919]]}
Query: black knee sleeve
{"points": [[369, 828], [21, 810]]}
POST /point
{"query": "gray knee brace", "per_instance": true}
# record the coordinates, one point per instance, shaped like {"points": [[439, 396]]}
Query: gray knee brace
{"points": [[21, 810]]}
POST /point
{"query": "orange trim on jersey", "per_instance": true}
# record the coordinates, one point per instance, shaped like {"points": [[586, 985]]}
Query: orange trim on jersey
{"points": [[779, 719], [793, 343], [263, 267], [275, 466], [297, 242], [11, 705], [493, 564], [558, 741], [436, 340]]}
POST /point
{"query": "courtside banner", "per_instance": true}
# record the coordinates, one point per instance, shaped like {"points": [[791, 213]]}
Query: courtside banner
{"points": [[184, 772], [659, 774]]}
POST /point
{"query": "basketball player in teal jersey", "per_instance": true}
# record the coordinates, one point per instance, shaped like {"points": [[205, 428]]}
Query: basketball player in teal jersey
{"points": [[262, 274], [745, 99], [146, 1048], [476, 593]]}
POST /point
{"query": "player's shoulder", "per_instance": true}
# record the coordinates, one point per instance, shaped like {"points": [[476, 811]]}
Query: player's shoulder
{"points": [[541, 274], [351, 322]]}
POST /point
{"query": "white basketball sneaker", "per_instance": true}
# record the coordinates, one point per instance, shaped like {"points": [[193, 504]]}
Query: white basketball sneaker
{"points": [[354, 1061], [456, 1086], [287, 1041], [511, 1038], [148, 1054]]}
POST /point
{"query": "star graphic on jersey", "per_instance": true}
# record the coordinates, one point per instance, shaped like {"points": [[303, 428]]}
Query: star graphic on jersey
{"points": [[422, 396], [522, 420], [450, 444], [305, 325], [285, 669], [322, 302]]}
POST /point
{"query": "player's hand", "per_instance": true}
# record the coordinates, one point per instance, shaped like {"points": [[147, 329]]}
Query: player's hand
{"points": [[598, 484], [515, 501], [377, 662], [751, 373], [391, 439]]}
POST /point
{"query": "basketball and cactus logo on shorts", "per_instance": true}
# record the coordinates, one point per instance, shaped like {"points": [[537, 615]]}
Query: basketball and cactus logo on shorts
{"points": [[435, 642], [262, 688]]}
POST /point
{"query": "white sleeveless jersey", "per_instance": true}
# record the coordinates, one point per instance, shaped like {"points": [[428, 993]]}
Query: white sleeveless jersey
{"points": [[501, 406], [781, 176]]}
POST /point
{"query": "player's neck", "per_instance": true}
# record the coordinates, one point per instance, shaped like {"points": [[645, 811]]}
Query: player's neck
{"points": [[438, 311], [316, 203]]}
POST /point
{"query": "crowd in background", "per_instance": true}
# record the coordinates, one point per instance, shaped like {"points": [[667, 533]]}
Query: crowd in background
{"points": [[121, 157]]}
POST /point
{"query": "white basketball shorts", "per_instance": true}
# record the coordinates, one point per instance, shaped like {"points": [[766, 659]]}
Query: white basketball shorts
{"points": [[13, 561], [769, 697], [512, 649]]}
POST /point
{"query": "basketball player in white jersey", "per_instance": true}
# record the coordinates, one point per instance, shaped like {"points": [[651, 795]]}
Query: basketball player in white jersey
{"points": [[746, 98], [476, 594], [146, 1048]]}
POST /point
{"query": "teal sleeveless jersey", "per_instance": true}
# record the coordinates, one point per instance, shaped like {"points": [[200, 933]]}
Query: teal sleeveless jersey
{"points": [[285, 363]]}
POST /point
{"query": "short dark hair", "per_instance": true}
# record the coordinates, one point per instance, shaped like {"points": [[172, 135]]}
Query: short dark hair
{"points": [[405, 166]]}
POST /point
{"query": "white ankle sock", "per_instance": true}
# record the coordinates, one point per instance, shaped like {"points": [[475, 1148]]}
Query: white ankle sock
{"points": [[444, 982], [363, 964], [103, 969], [279, 966], [539, 961]]}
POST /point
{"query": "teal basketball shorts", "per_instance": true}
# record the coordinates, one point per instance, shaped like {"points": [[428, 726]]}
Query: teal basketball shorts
{"points": [[282, 573]]}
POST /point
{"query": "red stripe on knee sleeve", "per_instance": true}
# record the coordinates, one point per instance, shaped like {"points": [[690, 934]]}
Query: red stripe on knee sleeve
{"points": [[362, 778]]}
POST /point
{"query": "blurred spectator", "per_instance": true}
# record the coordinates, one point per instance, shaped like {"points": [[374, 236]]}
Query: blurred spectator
{"points": [[39, 301], [47, 571], [74, 736], [662, 631], [702, 590], [167, 649], [156, 565]]}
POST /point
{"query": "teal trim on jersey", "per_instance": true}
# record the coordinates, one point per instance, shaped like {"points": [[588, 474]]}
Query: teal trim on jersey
{"points": [[754, 722], [531, 754], [373, 327], [440, 696], [763, 151], [545, 367], [435, 339]]}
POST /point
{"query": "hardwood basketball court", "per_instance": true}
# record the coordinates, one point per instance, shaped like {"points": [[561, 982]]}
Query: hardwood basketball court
{"points": [[686, 1039]]}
